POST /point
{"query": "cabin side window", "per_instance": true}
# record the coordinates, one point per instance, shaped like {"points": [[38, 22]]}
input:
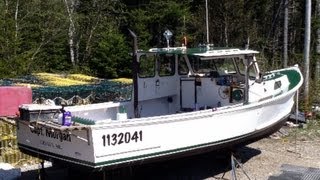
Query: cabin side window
{"points": [[147, 66], [182, 66], [166, 65]]}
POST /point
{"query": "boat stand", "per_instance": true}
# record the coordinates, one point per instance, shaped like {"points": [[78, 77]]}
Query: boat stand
{"points": [[41, 172], [234, 165]]}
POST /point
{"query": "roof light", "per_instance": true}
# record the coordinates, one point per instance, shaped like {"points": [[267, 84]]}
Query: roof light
{"points": [[167, 34]]}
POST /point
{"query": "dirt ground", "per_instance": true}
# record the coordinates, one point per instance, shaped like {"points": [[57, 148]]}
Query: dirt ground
{"points": [[297, 146], [273, 154]]}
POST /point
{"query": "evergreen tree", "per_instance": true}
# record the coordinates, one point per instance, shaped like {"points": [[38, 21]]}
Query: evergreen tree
{"points": [[35, 35]]}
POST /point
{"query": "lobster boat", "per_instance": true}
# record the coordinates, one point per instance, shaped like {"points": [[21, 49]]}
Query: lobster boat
{"points": [[184, 101]]}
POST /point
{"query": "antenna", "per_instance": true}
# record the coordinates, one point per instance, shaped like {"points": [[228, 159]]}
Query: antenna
{"points": [[247, 44], [184, 32], [184, 24]]}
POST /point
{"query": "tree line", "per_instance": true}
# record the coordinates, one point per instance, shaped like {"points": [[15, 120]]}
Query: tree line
{"points": [[91, 36]]}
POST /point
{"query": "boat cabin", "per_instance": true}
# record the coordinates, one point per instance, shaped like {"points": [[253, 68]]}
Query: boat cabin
{"points": [[172, 80], [175, 80]]}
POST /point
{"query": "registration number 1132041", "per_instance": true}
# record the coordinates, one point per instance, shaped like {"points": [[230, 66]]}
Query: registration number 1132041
{"points": [[122, 138]]}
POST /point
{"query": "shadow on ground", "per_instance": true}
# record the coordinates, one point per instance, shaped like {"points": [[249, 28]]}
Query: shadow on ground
{"points": [[194, 167]]}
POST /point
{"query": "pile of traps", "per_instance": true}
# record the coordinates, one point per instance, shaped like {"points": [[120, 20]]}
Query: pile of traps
{"points": [[9, 152]]}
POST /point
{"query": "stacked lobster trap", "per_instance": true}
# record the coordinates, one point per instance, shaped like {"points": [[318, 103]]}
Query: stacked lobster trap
{"points": [[9, 152]]}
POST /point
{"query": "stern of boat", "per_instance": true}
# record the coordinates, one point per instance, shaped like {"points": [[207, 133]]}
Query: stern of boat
{"points": [[52, 141]]}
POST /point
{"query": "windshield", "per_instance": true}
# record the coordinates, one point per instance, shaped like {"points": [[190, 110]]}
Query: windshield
{"points": [[201, 66], [221, 65]]}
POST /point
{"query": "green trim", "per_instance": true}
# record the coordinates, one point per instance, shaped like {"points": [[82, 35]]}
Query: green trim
{"points": [[293, 76], [274, 76], [85, 121]]}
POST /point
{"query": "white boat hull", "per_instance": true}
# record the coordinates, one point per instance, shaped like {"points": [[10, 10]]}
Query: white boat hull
{"points": [[144, 139]]}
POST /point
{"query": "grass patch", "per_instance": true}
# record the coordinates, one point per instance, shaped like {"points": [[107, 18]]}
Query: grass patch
{"points": [[36, 80], [61, 80], [82, 77], [122, 80], [307, 132]]}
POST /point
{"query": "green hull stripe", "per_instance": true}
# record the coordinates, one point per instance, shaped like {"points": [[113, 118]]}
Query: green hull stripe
{"points": [[113, 162], [46, 153]]}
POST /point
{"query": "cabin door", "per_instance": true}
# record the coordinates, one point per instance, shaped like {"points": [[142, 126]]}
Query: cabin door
{"points": [[146, 78], [188, 94], [157, 84], [166, 79], [157, 77]]}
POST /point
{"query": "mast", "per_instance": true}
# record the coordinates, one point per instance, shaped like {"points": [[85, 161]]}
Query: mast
{"points": [[207, 23], [135, 74], [317, 73], [285, 33], [307, 51]]}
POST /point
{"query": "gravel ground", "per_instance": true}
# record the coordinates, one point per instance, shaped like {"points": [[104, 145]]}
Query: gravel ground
{"points": [[299, 147], [274, 154], [260, 160]]}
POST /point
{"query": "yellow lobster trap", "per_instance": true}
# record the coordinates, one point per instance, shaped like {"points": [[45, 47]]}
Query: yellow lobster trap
{"points": [[9, 152]]}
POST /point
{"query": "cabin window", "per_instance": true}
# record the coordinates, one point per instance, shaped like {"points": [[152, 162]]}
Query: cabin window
{"points": [[182, 66], [166, 65], [241, 68], [277, 85], [147, 66], [225, 66]]}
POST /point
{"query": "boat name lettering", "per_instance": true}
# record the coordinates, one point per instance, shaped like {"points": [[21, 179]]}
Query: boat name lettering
{"points": [[37, 130], [121, 138], [58, 135], [51, 134]]}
